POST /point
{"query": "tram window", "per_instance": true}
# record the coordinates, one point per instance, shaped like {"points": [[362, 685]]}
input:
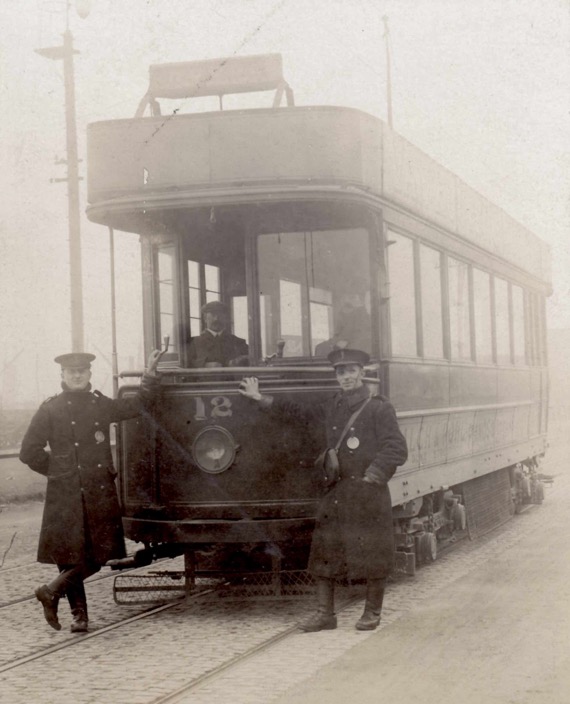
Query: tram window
{"points": [[402, 295], [240, 317], [194, 297], [502, 322], [203, 287], [519, 339], [432, 314], [483, 319], [212, 280], [314, 291], [291, 317], [459, 317], [166, 300]]}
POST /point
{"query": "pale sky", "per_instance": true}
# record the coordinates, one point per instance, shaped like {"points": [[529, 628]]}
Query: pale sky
{"points": [[482, 87]]}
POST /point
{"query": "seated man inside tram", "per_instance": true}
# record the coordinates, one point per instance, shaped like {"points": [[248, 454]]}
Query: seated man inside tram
{"points": [[352, 329], [216, 346]]}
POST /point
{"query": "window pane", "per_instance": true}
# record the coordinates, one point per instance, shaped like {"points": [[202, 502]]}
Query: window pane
{"points": [[291, 317], [212, 275], [483, 312], [459, 332], [402, 295], [193, 274], [239, 316], [502, 322], [314, 291], [166, 295], [519, 340], [432, 318]]}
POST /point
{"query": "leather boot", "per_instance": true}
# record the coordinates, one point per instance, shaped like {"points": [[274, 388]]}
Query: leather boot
{"points": [[78, 603], [324, 619], [80, 622], [373, 605], [49, 601]]}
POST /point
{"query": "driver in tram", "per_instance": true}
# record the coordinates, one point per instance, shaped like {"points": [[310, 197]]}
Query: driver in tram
{"points": [[353, 327], [216, 346]]}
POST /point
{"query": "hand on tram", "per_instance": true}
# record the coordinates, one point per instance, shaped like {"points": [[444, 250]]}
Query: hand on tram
{"points": [[249, 387], [153, 360]]}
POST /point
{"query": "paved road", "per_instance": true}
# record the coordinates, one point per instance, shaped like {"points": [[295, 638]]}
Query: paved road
{"points": [[498, 635], [487, 624]]}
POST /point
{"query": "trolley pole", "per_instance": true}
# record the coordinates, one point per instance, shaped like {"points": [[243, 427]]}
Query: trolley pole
{"points": [[65, 53], [388, 70]]}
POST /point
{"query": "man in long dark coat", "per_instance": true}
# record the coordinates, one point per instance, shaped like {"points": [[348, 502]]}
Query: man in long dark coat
{"points": [[217, 346], [81, 526], [353, 535]]}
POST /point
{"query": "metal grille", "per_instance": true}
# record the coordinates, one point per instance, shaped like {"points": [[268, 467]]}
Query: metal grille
{"points": [[488, 502], [159, 587], [268, 585], [156, 587]]}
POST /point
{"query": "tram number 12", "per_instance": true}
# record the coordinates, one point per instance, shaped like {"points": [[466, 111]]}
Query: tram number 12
{"points": [[221, 406]]}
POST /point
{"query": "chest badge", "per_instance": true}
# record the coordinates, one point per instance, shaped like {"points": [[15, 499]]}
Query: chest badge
{"points": [[352, 442], [99, 436]]}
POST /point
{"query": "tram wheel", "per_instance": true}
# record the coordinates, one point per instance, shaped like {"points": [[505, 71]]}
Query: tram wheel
{"points": [[459, 517], [428, 547]]}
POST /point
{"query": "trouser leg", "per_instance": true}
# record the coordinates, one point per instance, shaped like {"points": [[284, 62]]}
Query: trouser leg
{"points": [[324, 619], [373, 605]]}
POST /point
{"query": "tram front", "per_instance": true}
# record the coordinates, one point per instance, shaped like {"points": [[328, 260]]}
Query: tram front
{"points": [[263, 210]]}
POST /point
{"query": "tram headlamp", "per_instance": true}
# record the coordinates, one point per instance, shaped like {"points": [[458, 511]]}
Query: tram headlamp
{"points": [[214, 449]]}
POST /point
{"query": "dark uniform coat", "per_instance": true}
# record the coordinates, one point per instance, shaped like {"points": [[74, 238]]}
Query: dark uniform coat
{"points": [[353, 535], [81, 511], [220, 348]]}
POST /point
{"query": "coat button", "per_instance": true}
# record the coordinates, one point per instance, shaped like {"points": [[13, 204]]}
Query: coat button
{"points": [[69, 403], [99, 465], [76, 444], [72, 422], [96, 423], [334, 427]]}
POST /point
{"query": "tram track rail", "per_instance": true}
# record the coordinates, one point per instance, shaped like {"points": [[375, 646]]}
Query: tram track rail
{"points": [[198, 621]]}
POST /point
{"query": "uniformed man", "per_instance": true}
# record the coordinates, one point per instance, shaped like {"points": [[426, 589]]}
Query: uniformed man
{"points": [[353, 535], [81, 527], [216, 346]]}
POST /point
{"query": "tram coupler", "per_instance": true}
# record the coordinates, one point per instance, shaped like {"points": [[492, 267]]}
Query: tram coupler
{"points": [[145, 556], [141, 558]]}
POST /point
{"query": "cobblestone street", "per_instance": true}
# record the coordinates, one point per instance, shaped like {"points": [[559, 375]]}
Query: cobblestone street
{"points": [[441, 630]]}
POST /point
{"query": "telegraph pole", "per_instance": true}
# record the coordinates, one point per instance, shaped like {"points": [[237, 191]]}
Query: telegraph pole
{"points": [[65, 53], [388, 70]]}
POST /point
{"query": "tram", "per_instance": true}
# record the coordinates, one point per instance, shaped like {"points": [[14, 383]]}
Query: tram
{"points": [[316, 226]]}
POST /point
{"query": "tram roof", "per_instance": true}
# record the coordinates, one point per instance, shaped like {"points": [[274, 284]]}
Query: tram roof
{"points": [[181, 160]]}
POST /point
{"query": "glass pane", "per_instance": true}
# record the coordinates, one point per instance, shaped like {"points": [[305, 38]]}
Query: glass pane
{"points": [[195, 302], [314, 291], [502, 322], [519, 340], [193, 274], [166, 305], [483, 312], [402, 295], [291, 318], [239, 316], [460, 335], [432, 315], [212, 274]]}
